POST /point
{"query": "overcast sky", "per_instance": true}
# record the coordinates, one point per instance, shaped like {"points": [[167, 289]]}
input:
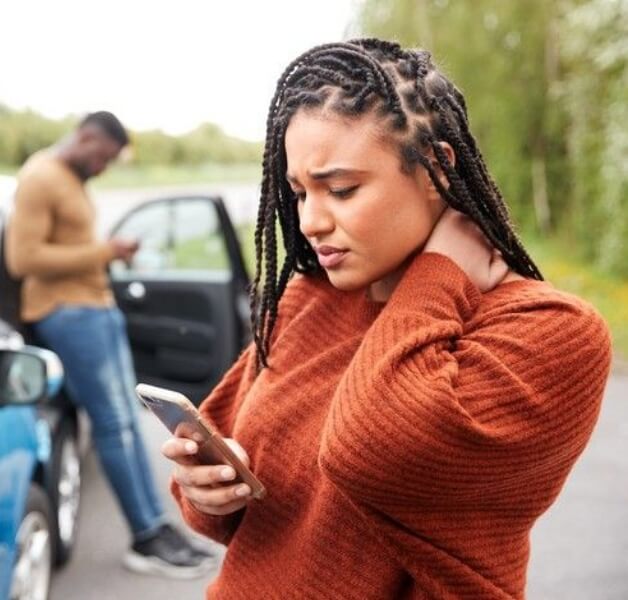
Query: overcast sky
{"points": [[159, 64]]}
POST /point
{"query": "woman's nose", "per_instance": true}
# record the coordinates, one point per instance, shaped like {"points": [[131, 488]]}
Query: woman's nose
{"points": [[315, 218]]}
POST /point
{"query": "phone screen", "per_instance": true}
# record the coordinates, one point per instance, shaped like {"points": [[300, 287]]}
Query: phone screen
{"points": [[184, 423], [170, 414]]}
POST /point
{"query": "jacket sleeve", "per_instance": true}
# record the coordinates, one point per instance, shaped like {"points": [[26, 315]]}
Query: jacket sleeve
{"points": [[434, 413], [29, 251]]}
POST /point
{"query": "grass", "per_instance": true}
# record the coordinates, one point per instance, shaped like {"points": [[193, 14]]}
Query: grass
{"points": [[202, 253], [246, 233], [608, 293]]}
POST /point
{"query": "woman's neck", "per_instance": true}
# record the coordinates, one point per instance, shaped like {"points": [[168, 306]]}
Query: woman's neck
{"points": [[382, 289]]}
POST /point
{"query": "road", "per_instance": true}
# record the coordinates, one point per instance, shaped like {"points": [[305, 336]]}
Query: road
{"points": [[579, 548]]}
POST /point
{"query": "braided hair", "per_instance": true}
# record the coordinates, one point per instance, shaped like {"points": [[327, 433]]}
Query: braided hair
{"points": [[420, 107]]}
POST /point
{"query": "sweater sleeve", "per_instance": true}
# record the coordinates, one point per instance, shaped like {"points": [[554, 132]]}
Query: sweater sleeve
{"points": [[220, 408], [29, 251], [439, 414]]}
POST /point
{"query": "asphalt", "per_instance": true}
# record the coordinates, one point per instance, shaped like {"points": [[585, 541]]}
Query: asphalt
{"points": [[579, 547]]}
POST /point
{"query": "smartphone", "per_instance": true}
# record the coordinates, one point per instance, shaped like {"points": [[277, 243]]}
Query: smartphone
{"points": [[182, 418]]}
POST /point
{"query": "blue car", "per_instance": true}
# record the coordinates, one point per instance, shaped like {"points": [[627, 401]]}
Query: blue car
{"points": [[39, 469]]}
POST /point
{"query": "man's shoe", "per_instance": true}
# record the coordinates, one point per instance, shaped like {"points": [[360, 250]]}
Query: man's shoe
{"points": [[179, 541], [168, 553]]}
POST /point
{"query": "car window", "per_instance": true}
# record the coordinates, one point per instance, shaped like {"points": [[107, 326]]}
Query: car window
{"points": [[176, 237], [150, 225], [198, 241]]}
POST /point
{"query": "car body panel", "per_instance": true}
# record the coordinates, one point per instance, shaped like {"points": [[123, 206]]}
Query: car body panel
{"points": [[29, 434], [25, 444]]}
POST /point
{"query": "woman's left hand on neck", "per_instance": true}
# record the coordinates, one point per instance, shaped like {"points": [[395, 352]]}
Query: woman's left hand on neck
{"points": [[457, 237]]}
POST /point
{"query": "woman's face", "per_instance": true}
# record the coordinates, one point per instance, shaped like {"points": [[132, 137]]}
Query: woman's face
{"points": [[361, 213]]}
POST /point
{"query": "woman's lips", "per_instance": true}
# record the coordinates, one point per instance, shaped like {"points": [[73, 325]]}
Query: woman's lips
{"points": [[330, 257]]}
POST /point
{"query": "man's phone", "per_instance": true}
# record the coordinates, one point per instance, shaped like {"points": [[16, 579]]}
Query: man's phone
{"points": [[182, 418]]}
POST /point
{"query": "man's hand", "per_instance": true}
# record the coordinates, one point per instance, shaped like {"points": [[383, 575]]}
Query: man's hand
{"points": [[123, 249], [460, 239]]}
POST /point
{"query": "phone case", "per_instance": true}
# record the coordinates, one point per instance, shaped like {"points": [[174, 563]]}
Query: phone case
{"points": [[182, 418]]}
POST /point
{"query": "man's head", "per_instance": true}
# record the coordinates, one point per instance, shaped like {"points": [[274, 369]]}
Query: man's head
{"points": [[97, 141]]}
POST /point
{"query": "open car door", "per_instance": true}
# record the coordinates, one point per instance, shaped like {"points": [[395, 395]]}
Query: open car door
{"points": [[184, 294]]}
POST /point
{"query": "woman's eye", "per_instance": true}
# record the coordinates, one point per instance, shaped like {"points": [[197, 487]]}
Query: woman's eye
{"points": [[344, 192]]}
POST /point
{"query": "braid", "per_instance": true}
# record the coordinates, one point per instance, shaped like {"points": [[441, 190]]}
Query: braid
{"points": [[488, 210], [521, 257], [424, 108]]}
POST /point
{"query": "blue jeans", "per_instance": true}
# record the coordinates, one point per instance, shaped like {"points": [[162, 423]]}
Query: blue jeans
{"points": [[93, 346]]}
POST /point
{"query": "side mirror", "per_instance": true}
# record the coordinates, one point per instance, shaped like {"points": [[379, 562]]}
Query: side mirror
{"points": [[22, 378], [54, 368], [29, 375]]}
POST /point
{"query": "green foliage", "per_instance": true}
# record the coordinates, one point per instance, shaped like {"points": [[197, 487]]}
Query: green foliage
{"points": [[246, 235], [594, 91], [607, 292], [206, 143], [25, 132]]}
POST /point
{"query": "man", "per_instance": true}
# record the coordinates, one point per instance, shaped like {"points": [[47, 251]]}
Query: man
{"points": [[68, 302]]}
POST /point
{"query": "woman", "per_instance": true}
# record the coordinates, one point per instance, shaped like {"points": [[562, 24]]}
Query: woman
{"points": [[415, 395]]}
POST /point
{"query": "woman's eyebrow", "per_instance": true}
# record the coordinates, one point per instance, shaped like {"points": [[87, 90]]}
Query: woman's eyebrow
{"points": [[327, 174]]}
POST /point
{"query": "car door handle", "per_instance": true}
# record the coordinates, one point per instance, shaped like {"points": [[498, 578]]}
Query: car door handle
{"points": [[136, 291]]}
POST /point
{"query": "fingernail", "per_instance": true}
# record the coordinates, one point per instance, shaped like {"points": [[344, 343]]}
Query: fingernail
{"points": [[227, 473], [190, 447], [243, 490]]}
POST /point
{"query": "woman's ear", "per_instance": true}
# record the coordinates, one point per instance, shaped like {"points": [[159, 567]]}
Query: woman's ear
{"points": [[449, 151], [451, 157]]}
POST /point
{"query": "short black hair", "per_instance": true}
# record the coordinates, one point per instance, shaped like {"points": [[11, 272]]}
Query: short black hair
{"points": [[109, 123]]}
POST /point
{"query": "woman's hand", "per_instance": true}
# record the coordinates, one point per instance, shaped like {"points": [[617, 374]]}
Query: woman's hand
{"points": [[207, 486], [457, 237]]}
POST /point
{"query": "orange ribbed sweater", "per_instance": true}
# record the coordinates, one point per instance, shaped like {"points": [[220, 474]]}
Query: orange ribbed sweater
{"points": [[407, 450]]}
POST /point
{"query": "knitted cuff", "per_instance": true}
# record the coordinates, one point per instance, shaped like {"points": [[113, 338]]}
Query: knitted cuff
{"points": [[435, 286]]}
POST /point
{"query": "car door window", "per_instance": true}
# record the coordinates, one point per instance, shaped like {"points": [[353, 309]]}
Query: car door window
{"points": [[178, 238], [198, 243], [150, 225]]}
